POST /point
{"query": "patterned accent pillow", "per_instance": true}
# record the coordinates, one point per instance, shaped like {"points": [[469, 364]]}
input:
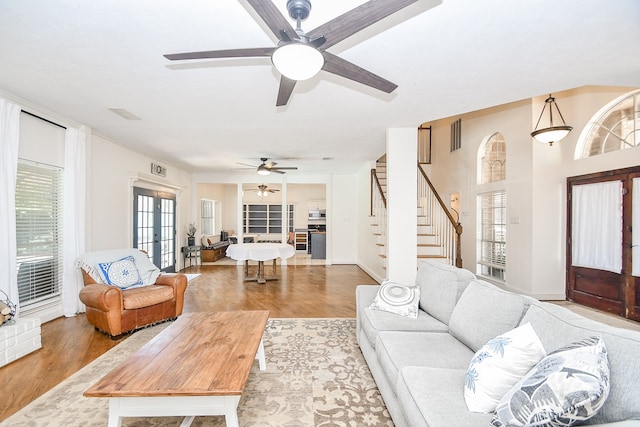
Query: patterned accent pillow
{"points": [[121, 273], [396, 298], [568, 386], [499, 365]]}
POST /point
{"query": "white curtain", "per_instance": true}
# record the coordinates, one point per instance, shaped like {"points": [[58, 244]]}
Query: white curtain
{"points": [[597, 226], [74, 217], [635, 227], [9, 137]]}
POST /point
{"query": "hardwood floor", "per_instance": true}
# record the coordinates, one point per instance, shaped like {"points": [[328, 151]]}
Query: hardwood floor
{"points": [[68, 344]]}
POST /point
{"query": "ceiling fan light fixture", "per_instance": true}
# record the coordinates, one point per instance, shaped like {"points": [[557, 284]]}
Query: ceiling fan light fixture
{"points": [[263, 171], [297, 61]]}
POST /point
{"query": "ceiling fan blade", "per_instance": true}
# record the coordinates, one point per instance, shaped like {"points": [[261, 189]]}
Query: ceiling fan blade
{"points": [[285, 169], [356, 20], [270, 165], [229, 53], [285, 90], [245, 164], [271, 16], [276, 171], [341, 67]]}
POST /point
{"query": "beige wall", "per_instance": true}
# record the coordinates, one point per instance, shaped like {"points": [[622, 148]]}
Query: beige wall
{"points": [[535, 184]]}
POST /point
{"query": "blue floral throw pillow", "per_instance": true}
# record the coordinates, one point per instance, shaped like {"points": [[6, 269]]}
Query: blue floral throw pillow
{"points": [[396, 298], [499, 365], [568, 386], [121, 273]]}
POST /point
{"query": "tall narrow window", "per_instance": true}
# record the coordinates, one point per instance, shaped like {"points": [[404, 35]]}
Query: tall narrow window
{"points": [[39, 234], [492, 235], [494, 160], [207, 217]]}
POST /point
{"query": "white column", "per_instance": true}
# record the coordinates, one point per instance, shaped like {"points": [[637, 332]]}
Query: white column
{"points": [[402, 187]]}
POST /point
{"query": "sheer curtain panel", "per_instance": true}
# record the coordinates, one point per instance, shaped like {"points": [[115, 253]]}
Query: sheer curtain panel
{"points": [[9, 136], [74, 217], [597, 226]]}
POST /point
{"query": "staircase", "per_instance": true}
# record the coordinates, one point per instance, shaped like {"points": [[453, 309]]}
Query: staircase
{"points": [[438, 234], [378, 210]]}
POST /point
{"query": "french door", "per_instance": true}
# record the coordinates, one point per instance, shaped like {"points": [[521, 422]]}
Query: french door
{"points": [[154, 226]]}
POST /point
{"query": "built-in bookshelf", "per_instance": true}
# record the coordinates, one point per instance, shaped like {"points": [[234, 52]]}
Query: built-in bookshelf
{"points": [[266, 219]]}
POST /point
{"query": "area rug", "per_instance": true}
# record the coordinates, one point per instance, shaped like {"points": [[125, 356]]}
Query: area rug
{"points": [[316, 376]]}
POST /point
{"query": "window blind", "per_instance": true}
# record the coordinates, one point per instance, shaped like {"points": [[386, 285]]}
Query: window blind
{"points": [[492, 234], [207, 217], [39, 233]]}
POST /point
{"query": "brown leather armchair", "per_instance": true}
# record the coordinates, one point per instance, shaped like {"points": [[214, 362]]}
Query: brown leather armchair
{"points": [[118, 311]]}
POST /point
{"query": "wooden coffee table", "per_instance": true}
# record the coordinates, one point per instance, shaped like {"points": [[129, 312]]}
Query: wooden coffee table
{"points": [[197, 366]]}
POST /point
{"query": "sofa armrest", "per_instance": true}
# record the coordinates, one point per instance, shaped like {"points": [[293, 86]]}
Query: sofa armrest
{"points": [[102, 297], [179, 283]]}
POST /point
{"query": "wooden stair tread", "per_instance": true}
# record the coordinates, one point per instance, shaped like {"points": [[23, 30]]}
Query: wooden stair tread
{"points": [[431, 256]]}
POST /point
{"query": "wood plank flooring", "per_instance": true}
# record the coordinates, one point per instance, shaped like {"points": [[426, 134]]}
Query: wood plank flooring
{"points": [[68, 344]]}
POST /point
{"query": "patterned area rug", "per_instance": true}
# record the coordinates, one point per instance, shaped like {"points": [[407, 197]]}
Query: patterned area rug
{"points": [[316, 376]]}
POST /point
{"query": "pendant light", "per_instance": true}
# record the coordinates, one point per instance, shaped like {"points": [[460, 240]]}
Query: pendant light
{"points": [[551, 133]]}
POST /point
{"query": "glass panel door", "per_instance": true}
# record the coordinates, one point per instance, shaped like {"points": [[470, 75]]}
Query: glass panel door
{"points": [[154, 228]]}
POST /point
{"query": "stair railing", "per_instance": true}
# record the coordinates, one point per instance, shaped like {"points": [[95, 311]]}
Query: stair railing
{"points": [[448, 229], [377, 195], [378, 210]]}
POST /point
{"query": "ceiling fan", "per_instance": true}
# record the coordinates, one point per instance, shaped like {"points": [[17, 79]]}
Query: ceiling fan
{"points": [[262, 190], [266, 168], [300, 55]]}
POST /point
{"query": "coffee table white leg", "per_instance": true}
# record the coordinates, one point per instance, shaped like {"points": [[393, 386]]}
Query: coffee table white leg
{"points": [[115, 420], [187, 421], [260, 356]]}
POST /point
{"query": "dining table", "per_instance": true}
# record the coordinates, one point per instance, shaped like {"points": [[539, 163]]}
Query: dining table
{"points": [[260, 252]]}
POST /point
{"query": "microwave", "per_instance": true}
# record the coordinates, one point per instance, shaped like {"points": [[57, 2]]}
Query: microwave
{"points": [[317, 214]]}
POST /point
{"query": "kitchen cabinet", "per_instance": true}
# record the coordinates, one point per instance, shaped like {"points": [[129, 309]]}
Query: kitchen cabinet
{"points": [[317, 204], [318, 245]]}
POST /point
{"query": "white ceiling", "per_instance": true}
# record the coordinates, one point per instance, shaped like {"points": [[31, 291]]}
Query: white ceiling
{"points": [[80, 58]]}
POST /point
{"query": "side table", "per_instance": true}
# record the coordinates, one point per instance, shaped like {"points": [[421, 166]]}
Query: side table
{"points": [[191, 253]]}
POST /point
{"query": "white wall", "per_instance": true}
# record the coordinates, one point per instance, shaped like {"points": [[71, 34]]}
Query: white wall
{"points": [[113, 172], [367, 251], [536, 183], [344, 219]]}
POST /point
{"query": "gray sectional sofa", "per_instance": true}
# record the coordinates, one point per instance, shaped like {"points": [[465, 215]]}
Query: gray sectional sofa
{"points": [[420, 364]]}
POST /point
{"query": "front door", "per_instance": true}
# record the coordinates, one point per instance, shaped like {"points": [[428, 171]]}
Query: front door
{"points": [[603, 256], [154, 229]]}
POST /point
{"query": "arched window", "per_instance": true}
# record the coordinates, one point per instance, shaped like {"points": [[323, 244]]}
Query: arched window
{"points": [[493, 162], [615, 127]]}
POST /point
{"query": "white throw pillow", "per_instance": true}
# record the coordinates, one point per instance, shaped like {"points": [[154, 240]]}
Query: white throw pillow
{"points": [[568, 386], [121, 273], [396, 298], [499, 365]]}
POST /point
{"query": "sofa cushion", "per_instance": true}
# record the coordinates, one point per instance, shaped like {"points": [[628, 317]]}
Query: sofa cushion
{"points": [[398, 299], [440, 287], [397, 349], [499, 365], [567, 387], [433, 397], [146, 296], [485, 311], [374, 321], [122, 273], [557, 326]]}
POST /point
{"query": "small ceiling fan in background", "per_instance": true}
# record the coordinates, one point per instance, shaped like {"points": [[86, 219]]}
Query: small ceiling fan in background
{"points": [[263, 191], [300, 55], [266, 168]]}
